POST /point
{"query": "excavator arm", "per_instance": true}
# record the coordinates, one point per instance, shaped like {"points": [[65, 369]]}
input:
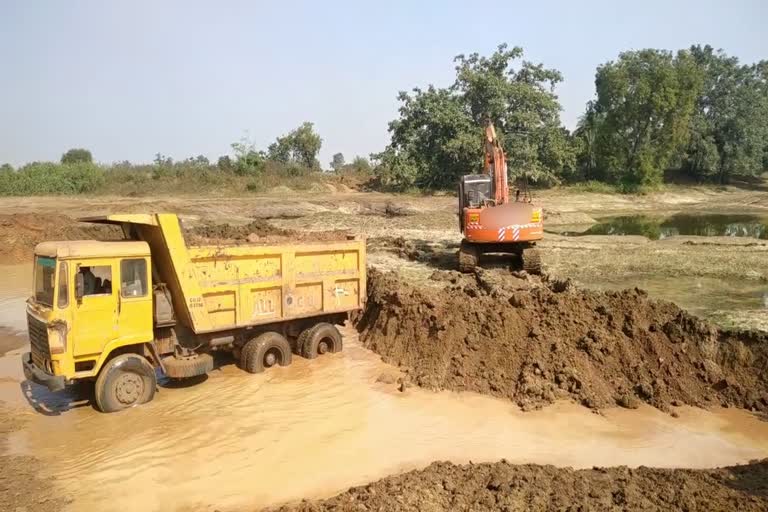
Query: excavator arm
{"points": [[496, 165]]}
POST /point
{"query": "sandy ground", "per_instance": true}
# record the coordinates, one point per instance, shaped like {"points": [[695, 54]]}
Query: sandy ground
{"points": [[415, 236]]}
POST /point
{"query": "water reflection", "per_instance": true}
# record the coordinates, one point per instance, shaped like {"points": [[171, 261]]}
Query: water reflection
{"points": [[657, 228]]}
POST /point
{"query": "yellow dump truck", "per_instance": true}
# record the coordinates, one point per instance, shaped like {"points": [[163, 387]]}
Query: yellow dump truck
{"points": [[115, 312]]}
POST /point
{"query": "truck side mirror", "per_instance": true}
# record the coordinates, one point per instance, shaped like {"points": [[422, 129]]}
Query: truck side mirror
{"points": [[79, 287]]}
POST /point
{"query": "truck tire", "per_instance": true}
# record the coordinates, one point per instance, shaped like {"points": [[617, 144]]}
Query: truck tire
{"points": [[300, 340], [187, 367], [531, 260], [125, 381], [469, 256], [264, 351], [322, 338]]}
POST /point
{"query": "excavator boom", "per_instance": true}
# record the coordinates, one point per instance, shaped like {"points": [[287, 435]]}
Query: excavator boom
{"points": [[496, 165]]}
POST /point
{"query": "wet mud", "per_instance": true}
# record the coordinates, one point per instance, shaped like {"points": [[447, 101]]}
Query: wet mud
{"points": [[535, 341], [503, 486]]}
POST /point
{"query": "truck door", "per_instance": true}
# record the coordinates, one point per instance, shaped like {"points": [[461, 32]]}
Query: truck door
{"points": [[134, 302], [94, 318]]}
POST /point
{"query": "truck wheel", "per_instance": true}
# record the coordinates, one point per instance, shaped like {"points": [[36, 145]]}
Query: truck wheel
{"points": [[125, 381], [300, 340], [321, 339], [187, 367], [264, 351], [531, 260], [468, 257]]}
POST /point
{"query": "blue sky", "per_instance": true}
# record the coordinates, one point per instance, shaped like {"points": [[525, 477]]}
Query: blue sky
{"points": [[128, 79]]}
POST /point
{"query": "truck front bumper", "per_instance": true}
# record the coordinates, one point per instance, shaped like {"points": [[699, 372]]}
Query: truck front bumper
{"points": [[35, 374]]}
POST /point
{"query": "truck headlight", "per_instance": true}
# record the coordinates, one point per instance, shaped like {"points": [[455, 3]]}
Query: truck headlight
{"points": [[57, 338]]}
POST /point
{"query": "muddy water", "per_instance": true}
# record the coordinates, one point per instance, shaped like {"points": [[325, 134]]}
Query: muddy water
{"points": [[239, 441], [316, 428], [15, 287]]}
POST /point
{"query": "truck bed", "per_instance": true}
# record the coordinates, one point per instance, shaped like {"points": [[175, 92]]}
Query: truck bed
{"points": [[217, 288]]}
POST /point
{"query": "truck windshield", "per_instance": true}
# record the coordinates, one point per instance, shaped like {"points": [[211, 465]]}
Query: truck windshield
{"points": [[45, 275]]}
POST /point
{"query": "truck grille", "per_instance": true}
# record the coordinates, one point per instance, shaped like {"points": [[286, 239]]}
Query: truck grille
{"points": [[38, 340]]}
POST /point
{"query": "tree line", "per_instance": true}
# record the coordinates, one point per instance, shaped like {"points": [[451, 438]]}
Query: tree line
{"points": [[290, 159], [697, 113]]}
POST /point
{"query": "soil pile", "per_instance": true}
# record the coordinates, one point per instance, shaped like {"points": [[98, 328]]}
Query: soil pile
{"points": [[502, 486], [256, 232], [21, 232], [535, 341]]}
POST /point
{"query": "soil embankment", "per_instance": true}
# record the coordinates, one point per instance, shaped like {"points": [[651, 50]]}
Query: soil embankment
{"points": [[21, 232], [535, 341], [503, 486]]}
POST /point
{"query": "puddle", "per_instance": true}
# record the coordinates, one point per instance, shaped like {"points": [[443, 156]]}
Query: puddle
{"points": [[16, 287], [657, 228], [240, 441]]}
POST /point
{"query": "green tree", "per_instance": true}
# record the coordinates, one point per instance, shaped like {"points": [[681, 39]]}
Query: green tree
{"points": [[6, 168], [77, 155], [248, 161], [520, 100], [224, 163], [301, 146], [646, 100], [729, 129], [338, 162], [438, 134], [585, 137], [361, 164]]}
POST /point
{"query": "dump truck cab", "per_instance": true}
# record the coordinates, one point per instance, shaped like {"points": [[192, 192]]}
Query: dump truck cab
{"points": [[90, 298]]}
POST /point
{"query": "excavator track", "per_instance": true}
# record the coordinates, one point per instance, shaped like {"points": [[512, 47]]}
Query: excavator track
{"points": [[469, 256], [531, 259]]}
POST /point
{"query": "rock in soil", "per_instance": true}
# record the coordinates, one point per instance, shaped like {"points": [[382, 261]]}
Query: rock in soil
{"points": [[535, 341], [503, 486]]}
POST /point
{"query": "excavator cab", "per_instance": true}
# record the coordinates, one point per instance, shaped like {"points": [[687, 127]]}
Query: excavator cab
{"points": [[475, 190]]}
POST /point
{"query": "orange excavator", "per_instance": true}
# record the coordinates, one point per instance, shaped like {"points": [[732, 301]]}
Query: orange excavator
{"points": [[490, 222]]}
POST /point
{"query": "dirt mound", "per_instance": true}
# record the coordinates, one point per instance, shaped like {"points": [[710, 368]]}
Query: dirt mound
{"points": [[257, 232], [503, 486], [21, 232], [535, 341]]}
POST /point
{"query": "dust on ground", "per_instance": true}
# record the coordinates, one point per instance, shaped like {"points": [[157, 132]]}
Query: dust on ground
{"points": [[535, 341], [503, 486]]}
